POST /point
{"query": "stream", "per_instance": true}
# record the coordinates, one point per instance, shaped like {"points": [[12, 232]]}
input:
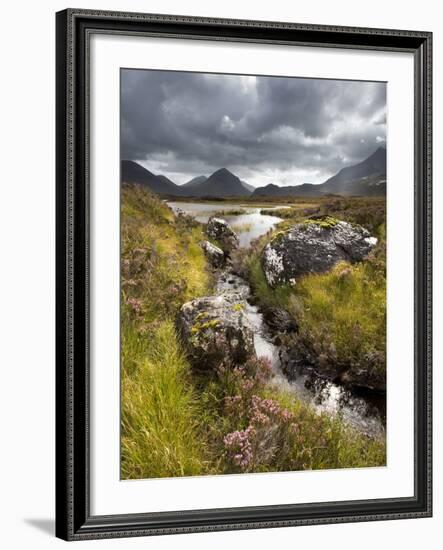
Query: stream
{"points": [[362, 413], [365, 413]]}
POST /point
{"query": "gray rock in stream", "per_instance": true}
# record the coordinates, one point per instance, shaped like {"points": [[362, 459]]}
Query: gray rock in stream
{"points": [[216, 330], [222, 232], [314, 246], [215, 255], [302, 360], [279, 320]]}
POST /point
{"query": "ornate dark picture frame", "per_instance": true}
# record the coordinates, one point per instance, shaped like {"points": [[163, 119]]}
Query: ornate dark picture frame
{"points": [[74, 29]]}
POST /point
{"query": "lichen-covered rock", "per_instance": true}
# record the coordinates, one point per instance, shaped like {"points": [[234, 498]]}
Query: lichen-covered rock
{"points": [[215, 330], [313, 246], [215, 255], [220, 230]]}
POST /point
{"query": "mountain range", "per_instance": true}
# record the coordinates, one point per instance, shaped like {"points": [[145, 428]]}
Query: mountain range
{"points": [[131, 172], [367, 178]]}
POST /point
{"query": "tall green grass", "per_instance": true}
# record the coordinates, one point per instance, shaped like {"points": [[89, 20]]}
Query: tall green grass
{"points": [[160, 429], [162, 267], [342, 314]]}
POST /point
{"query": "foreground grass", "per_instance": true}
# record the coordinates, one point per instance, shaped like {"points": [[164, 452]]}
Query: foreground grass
{"points": [[160, 435], [162, 267], [342, 316], [176, 422]]}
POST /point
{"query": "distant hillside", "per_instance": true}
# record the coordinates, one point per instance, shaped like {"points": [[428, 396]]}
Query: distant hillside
{"points": [[351, 180], [248, 186], [368, 186], [272, 190], [194, 183], [222, 183], [166, 181], [131, 172], [367, 178]]}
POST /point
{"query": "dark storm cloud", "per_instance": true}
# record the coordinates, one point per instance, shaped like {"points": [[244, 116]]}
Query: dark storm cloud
{"points": [[285, 130]]}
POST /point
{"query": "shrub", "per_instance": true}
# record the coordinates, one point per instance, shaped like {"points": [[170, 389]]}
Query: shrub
{"points": [[257, 426], [271, 434]]}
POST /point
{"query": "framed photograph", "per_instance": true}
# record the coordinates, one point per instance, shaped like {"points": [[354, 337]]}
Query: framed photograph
{"points": [[243, 274]]}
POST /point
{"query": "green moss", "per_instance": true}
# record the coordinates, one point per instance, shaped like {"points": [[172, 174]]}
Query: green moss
{"points": [[238, 307], [199, 327], [325, 222], [277, 237]]}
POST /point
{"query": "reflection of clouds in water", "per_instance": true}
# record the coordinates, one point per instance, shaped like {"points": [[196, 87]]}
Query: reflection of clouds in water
{"points": [[255, 224]]}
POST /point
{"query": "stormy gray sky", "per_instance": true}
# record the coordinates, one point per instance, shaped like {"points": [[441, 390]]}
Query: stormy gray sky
{"points": [[278, 130]]}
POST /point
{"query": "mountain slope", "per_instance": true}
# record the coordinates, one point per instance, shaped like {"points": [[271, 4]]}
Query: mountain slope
{"points": [[222, 183], [367, 186], [194, 183], [248, 186], [367, 178], [344, 182], [166, 181], [132, 172], [272, 190]]}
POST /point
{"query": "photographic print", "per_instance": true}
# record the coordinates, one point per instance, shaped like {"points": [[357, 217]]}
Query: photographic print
{"points": [[237, 300], [253, 274]]}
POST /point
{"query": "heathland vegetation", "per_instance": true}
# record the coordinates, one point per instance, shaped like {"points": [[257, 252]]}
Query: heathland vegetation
{"points": [[340, 314], [180, 421]]}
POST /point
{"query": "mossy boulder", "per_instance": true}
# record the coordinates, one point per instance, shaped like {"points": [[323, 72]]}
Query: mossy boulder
{"points": [[215, 331], [314, 246]]}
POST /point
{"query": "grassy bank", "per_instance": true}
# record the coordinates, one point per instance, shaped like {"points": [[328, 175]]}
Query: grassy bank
{"points": [[341, 314], [162, 267], [176, 422]]}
